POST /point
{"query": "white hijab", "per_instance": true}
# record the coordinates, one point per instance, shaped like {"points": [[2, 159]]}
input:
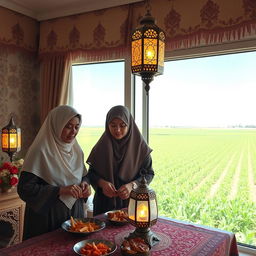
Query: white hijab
{"points": [[56, 162]]}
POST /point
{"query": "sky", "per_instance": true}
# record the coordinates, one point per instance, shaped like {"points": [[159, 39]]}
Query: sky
{"points": [[97, 87], [202, 92]]}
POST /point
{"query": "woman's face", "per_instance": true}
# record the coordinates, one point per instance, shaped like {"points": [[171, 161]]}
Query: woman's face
{"points": [[118, 128], [70, 130]]}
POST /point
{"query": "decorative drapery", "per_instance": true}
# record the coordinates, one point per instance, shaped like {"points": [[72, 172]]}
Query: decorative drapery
{"points": [[100, 34], [204, 22], [54, 83], [96, 36]]}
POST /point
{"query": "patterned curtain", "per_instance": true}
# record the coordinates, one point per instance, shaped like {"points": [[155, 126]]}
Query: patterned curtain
{"points": [[54, 83], [100, 35], [96, 36]]}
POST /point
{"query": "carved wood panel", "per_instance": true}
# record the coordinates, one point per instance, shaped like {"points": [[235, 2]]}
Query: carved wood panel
{"points": [[11, 219]]}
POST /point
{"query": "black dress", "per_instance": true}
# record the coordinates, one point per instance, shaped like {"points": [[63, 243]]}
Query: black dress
{"points": [[44, 210], [102, 203]]}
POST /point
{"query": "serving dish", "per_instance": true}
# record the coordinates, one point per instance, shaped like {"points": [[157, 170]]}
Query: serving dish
{"points": [[66, 225], [135, 247], [117, 217], [78, 246]]}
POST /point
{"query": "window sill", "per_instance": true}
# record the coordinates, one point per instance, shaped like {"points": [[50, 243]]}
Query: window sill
{"points": [[246, 251]]}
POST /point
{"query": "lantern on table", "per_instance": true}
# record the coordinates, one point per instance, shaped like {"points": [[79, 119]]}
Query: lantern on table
{"points": [[11, 139], [143, 212]]}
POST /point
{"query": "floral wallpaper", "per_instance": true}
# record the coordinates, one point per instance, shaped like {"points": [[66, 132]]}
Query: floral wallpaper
{"points": [[19, 75]]}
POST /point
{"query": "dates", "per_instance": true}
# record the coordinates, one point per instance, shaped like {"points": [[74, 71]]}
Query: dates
{"points": [[135, 246], [118, 216]]}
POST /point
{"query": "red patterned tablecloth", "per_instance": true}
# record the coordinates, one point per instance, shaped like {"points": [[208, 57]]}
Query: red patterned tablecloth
{"points": [[176, 239]]}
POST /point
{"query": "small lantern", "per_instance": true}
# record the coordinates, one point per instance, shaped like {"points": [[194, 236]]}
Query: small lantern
{"points": [[11, 139], [143, 212], [147, 50]]}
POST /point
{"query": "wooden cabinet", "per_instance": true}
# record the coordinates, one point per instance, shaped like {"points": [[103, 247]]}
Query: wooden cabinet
{"points": [[12, 210]]}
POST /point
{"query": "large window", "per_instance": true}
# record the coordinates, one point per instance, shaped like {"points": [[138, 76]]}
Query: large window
{"points": [[202, 131], [203, 134]]}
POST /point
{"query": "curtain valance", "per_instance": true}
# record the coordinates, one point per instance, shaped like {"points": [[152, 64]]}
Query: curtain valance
{"points": [[97, 35]]}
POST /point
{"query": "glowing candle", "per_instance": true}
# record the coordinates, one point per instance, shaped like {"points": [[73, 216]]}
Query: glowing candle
{"points": [[143, 213], [13, 143], [150, 54]]}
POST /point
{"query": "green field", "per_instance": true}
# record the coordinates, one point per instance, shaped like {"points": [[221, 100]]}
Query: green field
{"points": [[205, 176]]}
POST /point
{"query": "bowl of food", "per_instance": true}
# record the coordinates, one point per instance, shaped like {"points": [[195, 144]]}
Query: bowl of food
{"points": [[95, 247], [135, 246], [83, 226], [117, 217]]}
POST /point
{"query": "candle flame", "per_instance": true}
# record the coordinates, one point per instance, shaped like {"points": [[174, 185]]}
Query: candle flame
{"points": [[142, 213]]}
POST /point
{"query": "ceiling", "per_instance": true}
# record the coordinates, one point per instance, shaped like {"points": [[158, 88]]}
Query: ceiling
{"points": [[49, 9]]}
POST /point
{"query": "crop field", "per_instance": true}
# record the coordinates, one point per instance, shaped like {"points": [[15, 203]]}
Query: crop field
{"points": [[205, 176]]}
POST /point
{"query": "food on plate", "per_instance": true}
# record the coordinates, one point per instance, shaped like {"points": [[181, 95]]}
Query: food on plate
{"points": [[118, 215], [134, 246], [95, 249], [80, 226]]}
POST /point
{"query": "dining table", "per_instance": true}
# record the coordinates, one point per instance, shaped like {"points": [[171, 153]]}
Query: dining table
{"points": [[176, 238]]}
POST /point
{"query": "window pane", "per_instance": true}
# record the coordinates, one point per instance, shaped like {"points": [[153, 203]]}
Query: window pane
{"points": [[96, 88], [203, 136]]}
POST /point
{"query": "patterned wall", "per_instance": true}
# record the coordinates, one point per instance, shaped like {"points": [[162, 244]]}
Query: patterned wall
{"points": [[19, 75]]}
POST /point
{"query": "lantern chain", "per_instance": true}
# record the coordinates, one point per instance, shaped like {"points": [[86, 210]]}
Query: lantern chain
{"points": [[148, 7]]}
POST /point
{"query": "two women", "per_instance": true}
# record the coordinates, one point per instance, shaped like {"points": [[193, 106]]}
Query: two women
{"points": [[116, 161], [53, 182]]}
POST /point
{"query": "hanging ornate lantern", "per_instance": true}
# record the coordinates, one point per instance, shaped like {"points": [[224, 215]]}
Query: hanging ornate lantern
{"points": [[143, 212], [11, 139], [148, 49]]}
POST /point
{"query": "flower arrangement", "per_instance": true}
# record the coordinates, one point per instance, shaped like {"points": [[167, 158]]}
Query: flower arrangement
{"points": [[9, 174]]}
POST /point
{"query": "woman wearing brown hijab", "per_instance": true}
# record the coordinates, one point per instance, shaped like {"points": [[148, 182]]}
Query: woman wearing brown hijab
{"points": [[116, 161]]}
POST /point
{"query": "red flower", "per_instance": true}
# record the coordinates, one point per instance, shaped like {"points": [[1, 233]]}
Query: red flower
{"points": [[14, 170], [13, 181], [7, 165], [1, 181]]}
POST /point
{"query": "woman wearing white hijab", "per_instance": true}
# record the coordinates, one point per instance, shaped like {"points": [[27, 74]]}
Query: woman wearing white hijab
{"points": [[52, 181], [116, 161]]}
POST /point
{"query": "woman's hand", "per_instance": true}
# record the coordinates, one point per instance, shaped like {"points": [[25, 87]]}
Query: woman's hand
{"points": [[125, 190], [108, 188], [72, 190], [86, 189]]}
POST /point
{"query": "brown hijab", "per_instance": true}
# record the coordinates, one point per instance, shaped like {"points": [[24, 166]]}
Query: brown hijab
{"points": [[124, 156]]}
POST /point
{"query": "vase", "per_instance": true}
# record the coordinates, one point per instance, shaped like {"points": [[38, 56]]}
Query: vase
{"points": [[6, 189]]}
